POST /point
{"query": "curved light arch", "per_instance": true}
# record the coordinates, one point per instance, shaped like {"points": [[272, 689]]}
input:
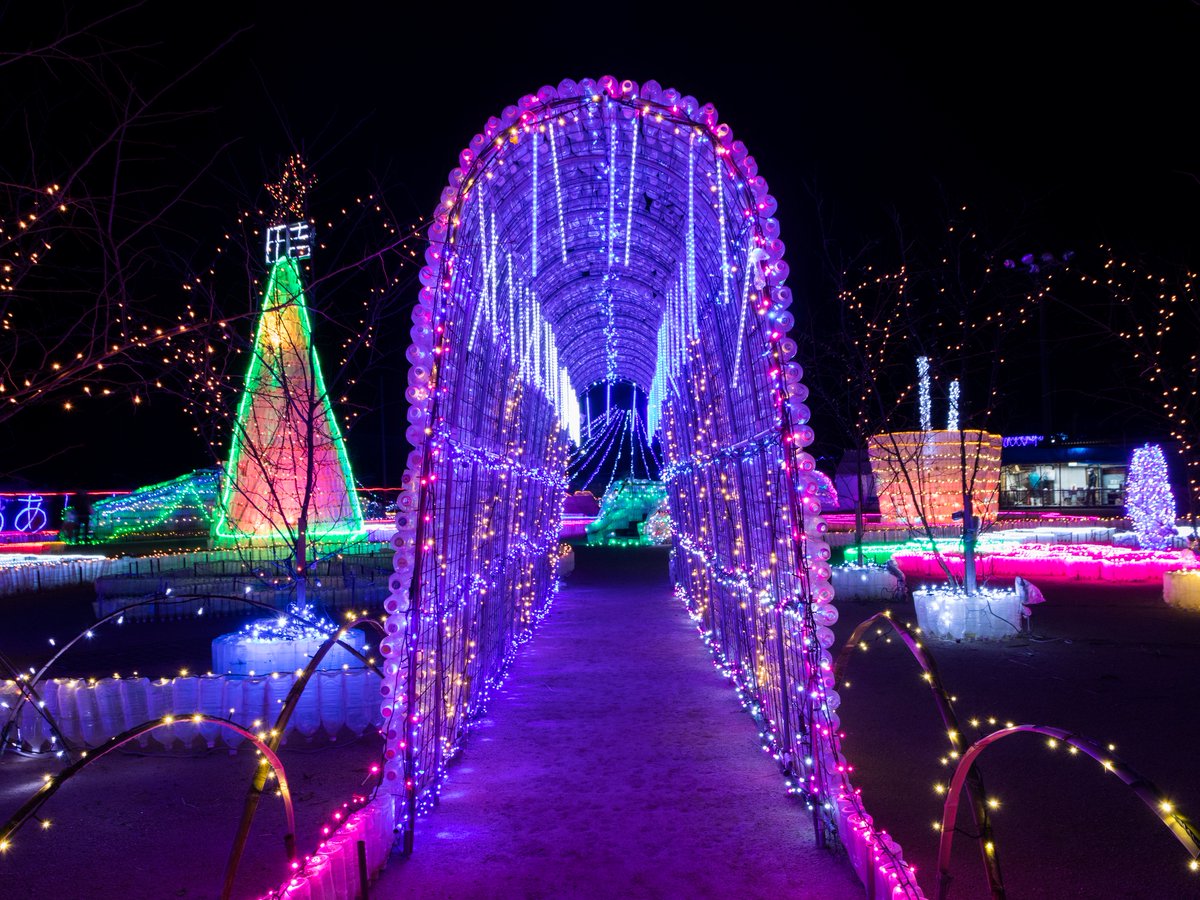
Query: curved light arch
{"points": [[1146, 791], [542, 204]]}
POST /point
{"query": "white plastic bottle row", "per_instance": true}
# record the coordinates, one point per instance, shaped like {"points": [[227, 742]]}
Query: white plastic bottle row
{"points": [[89, 714]]}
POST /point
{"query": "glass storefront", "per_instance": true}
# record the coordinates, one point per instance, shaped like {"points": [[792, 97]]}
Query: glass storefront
{"points": [[1062, 484]]}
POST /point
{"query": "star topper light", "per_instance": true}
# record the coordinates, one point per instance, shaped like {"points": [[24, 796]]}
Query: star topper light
{"points": [[290, 192], [289, 236]]}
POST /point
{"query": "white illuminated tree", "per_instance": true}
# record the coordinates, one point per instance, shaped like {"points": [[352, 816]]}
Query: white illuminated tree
{"points": [[1148, 498]]}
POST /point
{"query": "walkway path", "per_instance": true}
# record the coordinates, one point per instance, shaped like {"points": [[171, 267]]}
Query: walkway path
{"points": [[616, 763]]}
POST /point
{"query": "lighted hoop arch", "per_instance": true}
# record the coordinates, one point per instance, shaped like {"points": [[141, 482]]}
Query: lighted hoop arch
{"points": [[600, 230]]}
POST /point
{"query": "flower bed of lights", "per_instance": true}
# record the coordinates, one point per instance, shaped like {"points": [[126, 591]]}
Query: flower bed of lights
{"points": [[921, 473], [1176, 540], [953, 615], [283, 644], [1081, 562], [866, 582], [1181, 588], [1086, 534], [216, 583], [672, 255], [90, 712], [626, 505], [180, 507], [380, 532]]}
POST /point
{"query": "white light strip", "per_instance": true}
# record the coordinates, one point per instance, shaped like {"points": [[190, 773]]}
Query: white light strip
{"points": [[690, 244], [512, 314], [533, 235], [494, 271], [632, 172], [481, 301], [739, 336], [562, 222], [923, 393], [723, 239], [612, 192]]}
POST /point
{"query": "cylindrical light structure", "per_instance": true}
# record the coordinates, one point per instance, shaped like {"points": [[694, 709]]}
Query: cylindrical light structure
{"points": [[920, 474]]}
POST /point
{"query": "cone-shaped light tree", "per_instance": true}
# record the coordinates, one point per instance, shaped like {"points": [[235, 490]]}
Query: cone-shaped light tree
{"points": [[287, 480]]}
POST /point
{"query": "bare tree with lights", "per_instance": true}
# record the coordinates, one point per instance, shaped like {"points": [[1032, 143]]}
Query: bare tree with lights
{"points": [[84, 204], [949, 301], [1148, 313], [250, 373]]}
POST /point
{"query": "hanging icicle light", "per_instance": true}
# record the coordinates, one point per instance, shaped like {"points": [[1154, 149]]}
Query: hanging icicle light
{"points": [[924, 403]]}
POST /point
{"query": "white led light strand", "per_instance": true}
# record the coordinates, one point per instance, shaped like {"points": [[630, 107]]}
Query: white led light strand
{"points": [[549, 375], [558, 197], [533, 231], [612, 192], [481, 306], [512, 314], [723, 239], [535, 335], [923, 393], [654, 398], [756, 280], [690, 309], [494, 272], [690, 244], [952, 416], [632, 172], [610, 331], [523, 331]]}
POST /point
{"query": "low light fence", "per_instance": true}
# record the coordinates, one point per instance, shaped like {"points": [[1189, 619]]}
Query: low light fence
{"points": [[39, 573], [88, 713], [219, 597], [46, 571]]}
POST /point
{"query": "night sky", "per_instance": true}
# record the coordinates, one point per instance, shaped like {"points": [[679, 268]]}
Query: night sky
{"points": [[1063, 129]]}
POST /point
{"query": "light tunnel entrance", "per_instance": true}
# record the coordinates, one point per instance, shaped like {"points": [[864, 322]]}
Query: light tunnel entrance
{"points": [[597, 231]]}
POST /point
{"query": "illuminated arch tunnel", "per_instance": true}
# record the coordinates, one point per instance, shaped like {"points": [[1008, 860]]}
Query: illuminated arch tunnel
{"points": [[603, 230]]}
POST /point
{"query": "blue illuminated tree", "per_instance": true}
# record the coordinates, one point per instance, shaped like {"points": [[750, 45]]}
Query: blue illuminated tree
{"points": [[1148, 498]]}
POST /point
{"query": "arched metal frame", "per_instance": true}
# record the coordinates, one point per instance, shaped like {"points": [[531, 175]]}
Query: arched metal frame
{"points": [[1183, 829], [613, 230], [27, 687], [53, 783], [945, 707], [275, 739]]}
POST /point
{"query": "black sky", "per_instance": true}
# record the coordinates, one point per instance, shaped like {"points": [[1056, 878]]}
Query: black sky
{"points": [[1075, 123]]}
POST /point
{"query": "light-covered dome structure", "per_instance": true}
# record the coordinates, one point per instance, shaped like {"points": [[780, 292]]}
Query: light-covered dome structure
{"points": [[594, 231]]}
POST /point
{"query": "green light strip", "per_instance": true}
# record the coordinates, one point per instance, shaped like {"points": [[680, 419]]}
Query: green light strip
{"points": [[285, 277]]}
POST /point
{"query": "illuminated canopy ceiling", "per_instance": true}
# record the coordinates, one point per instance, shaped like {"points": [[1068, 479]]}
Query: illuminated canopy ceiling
{"points": [[598, 232]]}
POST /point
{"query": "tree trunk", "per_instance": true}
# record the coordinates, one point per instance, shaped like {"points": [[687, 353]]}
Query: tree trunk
{"points": [[858, 506], [968, 544]]}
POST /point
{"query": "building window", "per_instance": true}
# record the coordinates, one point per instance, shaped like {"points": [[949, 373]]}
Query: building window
{"points": [[1061, 485]]}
